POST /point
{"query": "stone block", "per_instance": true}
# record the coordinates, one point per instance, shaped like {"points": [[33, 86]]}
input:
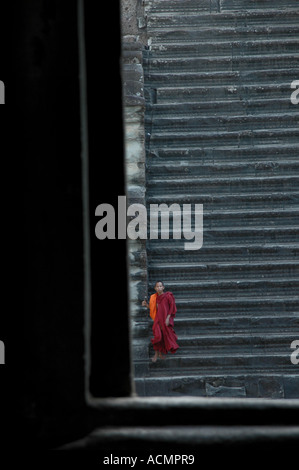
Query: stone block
{"points": [[192, 386], [223, 391], [140, 387], [271, 387], [251, 387], [141, 369], [136, 195], [140, 350], [156, 387]]}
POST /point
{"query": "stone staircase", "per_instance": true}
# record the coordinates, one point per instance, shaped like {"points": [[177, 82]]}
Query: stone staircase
{"points": [[221, 131]]}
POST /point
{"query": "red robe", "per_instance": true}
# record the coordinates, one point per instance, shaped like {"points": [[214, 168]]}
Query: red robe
{"points": [[165, 339]]}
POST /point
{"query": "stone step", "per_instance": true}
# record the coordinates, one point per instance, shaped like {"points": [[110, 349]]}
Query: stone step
{"points": [[159, 255], [226, 63], [255, 155], [181, 6], [173, 139], [249, 384], [270, 77], [226, 287], [269, 30], [225, 153], [228, 270], [239, 219], [215, 194], [255, 324], [211, 202], [221, 169], [234, 92], [238, 238], [187, 185], [220, 289], [254, 4], [290, 182], [263, 168], [234, 49], [236, 19], [209, 6], [236, 305], [240, 107], [222, 122], [223, 364], [234, 344]]}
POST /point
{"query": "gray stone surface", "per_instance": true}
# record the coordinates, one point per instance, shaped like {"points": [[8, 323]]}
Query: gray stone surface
{"points": [[271, 387], [133, 114], [133, 19]]}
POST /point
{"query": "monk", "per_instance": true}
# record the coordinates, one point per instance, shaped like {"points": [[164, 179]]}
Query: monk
{"points": [[162, 310]]}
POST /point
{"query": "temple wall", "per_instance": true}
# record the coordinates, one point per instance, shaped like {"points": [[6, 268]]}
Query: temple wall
{"points": [[133, 41]]}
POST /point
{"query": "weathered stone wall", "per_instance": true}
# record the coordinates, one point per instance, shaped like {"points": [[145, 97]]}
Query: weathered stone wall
{"points": [[133, 19], [133, 41]]}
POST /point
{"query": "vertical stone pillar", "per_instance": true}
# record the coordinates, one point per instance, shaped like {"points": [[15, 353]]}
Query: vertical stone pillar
{"points": [[133, 40]]}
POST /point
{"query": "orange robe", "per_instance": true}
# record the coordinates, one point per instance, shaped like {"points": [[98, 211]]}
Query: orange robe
{"points": [[165, 339]]}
